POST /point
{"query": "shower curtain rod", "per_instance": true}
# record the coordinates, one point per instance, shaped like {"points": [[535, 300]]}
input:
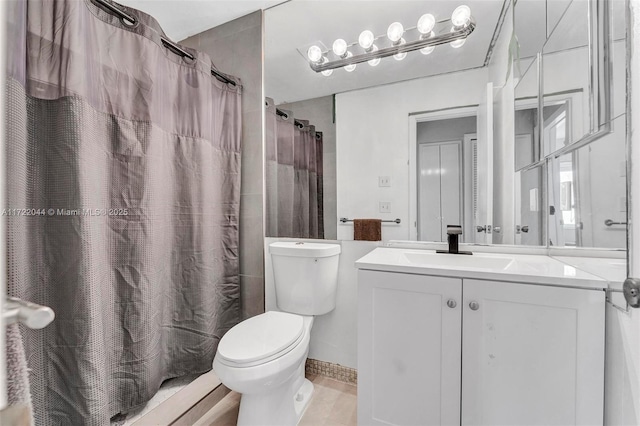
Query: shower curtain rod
{"points": [[124, 17], [285, 116]]}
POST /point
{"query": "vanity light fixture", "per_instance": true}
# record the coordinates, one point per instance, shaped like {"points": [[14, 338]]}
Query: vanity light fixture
{"points": [[371, 48]]}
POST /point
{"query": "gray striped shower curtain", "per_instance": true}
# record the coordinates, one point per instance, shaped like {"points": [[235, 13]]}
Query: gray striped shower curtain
{"points": [[294, 178], [123, 204]]}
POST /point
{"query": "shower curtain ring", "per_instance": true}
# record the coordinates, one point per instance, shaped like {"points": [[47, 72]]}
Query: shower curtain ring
{"points": [[127, 19]]}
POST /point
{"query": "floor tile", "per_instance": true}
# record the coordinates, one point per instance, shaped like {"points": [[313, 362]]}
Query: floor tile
{"points": [[333, 404]]}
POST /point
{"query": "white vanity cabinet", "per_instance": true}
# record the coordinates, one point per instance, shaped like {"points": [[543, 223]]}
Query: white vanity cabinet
{"points": [[409, 349], [532, 354], [505, 353]]}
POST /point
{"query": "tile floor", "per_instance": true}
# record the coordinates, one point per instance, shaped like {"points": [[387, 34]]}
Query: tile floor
{"points": [[333, 404]]}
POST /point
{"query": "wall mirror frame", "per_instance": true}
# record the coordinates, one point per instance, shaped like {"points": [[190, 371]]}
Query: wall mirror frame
{"points": [[587, 108], [597, 118], [568, 119]]}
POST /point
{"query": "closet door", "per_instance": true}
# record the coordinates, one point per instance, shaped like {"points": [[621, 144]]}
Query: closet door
{"points": [[439, 189], [429, 223]]}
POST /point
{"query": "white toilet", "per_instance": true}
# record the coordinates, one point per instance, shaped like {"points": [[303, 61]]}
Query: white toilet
{"points": [[263, 357]]}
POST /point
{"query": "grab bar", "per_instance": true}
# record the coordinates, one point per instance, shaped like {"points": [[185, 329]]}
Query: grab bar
{"points": [[610, 222], [30, 314], [345, 220]]}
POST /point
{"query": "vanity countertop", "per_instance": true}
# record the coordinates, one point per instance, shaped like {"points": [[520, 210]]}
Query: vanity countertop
{"points": [[522, 268], [614, 270]]}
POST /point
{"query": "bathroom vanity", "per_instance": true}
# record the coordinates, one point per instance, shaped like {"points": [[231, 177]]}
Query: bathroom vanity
{"points": [[485, 339]]}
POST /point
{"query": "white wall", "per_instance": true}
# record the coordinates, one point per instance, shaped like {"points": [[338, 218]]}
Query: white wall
{"points": [[334, 335], [372, 126]]}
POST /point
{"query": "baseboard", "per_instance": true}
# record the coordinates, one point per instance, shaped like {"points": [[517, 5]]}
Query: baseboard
{"points": [[333, 371]]}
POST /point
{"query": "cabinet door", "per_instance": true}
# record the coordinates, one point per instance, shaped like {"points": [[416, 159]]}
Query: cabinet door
{"points": [[409, 349], [532, 355]]}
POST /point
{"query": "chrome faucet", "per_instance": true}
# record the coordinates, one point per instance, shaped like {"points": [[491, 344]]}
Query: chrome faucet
{"points": [[453, 231]]}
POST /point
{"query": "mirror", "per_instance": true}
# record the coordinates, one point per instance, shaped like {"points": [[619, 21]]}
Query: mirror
{"points": [[566, 76], [529, 29], [526, 120], [473, 136], [593, 175], [529, 207]]}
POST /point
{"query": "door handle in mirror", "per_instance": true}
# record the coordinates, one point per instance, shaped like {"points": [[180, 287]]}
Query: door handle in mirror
{"points": [[481, 228], [474, 306], [497, 229]]}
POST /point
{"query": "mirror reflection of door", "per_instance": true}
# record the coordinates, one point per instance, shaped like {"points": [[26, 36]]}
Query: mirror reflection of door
{"points": [[439, 189], [529, 207], [446, 164], [564, 221]]}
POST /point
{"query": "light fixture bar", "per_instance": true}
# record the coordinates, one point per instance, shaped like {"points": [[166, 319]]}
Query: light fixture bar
{"points": [[409, 46]]}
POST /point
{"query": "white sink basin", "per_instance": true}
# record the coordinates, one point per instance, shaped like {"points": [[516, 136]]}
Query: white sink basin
{"points": [[443, 260]]}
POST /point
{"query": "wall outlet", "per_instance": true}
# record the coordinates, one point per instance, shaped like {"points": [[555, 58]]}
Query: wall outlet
{"points": [[385, 207], [384, 181]]}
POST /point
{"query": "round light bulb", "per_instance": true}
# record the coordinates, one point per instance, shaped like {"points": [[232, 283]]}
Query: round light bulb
{"points": [[427, 50], [395, 31], [349, 68], [426, 23], [400, 56], [339, 47], [366, 39], [461, 16], [314, 54], [458, 43], [376, 61], [326, 73]]}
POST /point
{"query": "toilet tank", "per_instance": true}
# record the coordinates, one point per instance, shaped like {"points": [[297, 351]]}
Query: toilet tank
{"points": [[306, 276]]}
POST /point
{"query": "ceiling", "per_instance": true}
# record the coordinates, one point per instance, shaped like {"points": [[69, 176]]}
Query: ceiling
{"points": [[292, 26], [183, 18]]}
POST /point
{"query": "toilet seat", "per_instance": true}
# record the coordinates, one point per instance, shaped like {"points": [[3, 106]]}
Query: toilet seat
{"points": [[260, 339]]}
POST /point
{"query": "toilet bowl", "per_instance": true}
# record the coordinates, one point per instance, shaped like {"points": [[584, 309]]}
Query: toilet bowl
{"points": [[263, 358], [268, 374]]}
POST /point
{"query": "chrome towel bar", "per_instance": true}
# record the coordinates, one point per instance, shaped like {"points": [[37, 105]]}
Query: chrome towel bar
{"points": [[345, 220]]}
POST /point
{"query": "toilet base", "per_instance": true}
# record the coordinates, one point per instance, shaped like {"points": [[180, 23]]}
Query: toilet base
{"points": [[278, 407], [303, 397]]}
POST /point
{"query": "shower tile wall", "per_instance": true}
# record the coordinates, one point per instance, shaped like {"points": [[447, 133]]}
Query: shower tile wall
{"points": [[236, 48]]}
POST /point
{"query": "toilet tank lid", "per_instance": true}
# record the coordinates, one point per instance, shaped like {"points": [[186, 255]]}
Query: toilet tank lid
{"points": [[303, 249]]}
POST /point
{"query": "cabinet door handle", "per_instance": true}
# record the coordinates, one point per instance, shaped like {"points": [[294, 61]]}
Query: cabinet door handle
{"points": [[474, 306], [451, 303]]}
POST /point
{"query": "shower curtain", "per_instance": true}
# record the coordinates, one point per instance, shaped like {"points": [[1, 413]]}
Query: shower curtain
{"points": [[294, 176], [123, 195]]}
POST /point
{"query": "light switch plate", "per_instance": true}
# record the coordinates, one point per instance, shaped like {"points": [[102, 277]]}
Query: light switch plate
{"points": [[385, 207]]}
